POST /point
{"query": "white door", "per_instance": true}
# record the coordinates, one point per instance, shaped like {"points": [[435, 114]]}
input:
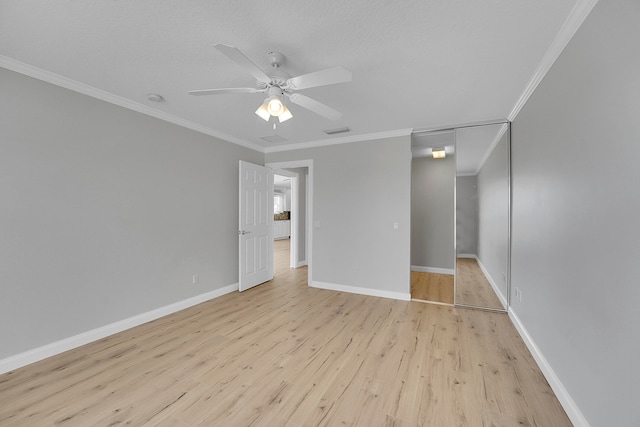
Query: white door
{"points": [[255, 232]]}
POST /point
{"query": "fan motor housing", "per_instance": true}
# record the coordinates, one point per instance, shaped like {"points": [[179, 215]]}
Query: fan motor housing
{"points": [[276, 59]]}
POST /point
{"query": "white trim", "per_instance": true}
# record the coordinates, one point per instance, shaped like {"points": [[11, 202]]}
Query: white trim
{"points": [[301, 263], [436, 270], [575, 19], [473, 256], [19, 360], [453, 127], [293, 244], [493, 284], [343, 140], [426, 301], [362, 291], [569, 405], [67, 83]]}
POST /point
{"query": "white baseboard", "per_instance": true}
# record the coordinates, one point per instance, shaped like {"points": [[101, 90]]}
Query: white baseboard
{"points": [[570, 407], [474, 256], [19, 360], [362, 291], [436, 270], [493, 284], [301, 263]]}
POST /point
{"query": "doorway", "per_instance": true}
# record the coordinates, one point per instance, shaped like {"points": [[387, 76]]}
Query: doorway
{"points": [[284, 225], [301, 246]]}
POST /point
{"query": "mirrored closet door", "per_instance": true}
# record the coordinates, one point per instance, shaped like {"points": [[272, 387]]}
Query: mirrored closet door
{"points": [[482, 216], [433, 171]]}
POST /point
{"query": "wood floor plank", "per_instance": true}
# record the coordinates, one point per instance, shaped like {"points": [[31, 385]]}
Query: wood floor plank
{"points": [[433, 287], [285, 354], [472, 286]]}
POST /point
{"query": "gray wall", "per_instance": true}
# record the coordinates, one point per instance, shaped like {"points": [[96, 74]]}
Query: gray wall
{"points": [[467, 215], [432, 182], [493, 215], [360, 190], [105, 213], [576, 204]]}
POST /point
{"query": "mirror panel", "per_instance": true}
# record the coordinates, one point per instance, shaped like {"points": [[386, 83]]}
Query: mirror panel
{"points": [[432, 216], [482, 216]]}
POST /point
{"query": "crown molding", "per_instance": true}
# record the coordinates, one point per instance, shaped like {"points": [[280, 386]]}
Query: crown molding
{"points": [[453, 127], [343, 140], [67, 83], [575, 19]]}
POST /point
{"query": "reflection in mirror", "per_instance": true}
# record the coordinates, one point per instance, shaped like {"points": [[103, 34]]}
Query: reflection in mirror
{"points": [[482, 216], [432, 216]]}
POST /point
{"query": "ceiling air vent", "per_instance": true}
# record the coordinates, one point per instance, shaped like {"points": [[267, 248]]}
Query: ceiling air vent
{"points": [[336, 131], [274, 139]]}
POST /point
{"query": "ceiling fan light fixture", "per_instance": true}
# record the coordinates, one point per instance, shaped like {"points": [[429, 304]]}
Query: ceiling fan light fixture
{"points": [[275, 106], [263, 112], [286, 114], [278, 84]]}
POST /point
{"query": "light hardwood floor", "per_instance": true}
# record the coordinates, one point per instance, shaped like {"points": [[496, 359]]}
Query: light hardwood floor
{"points": [[432, 287], [281, 258], [286, 354], [472, 287]]}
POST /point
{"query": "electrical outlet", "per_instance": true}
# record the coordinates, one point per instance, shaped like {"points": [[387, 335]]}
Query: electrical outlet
{"points": [[196, 279]]}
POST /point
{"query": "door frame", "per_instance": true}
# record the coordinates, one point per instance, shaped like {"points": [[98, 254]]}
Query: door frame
{"points": [[309, 211]]}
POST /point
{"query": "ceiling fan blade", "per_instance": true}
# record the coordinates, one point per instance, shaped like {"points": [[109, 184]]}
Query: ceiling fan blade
{"points": [[225, 90], [240, 59], [315, 106], [320, 78]]}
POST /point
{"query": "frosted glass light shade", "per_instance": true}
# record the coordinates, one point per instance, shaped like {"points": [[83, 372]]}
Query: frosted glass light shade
{"points": [[263, 112], [275, 106], [286, 114]]}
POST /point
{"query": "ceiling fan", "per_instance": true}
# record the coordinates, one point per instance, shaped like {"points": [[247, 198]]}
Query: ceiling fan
{"points": [[277, 84]]}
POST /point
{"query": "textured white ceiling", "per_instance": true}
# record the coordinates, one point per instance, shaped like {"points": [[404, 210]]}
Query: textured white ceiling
{"points": [[281, 181], [415, 64]]}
